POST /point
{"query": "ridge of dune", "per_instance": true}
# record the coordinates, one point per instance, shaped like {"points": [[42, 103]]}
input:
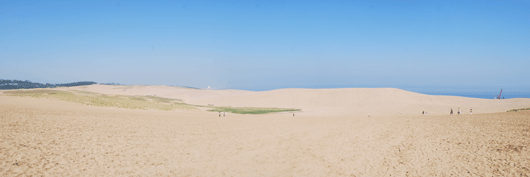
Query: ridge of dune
{"points": [[324, 102]]}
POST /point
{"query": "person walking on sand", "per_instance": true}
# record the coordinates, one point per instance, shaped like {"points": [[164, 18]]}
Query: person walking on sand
{"points": [[219, 113], [458, 111], [423, 113], [224, 114], [471, 111], [451, 112]]}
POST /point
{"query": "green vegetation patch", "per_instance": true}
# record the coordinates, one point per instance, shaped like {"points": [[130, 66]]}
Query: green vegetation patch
{"points": [[522, 109], [94, 99], [134, 102], [84, 92], [161, 99], [250, 110], [31, 93]]}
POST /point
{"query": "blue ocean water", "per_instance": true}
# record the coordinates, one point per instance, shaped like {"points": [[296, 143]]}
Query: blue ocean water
{"points": [[472, 92], [485, 93]]}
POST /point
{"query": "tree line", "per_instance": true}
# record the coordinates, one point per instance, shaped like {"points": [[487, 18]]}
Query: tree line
{"points": [[20, 84]]}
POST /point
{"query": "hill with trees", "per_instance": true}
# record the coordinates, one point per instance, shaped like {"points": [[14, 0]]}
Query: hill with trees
{"points": [[19, 84]]}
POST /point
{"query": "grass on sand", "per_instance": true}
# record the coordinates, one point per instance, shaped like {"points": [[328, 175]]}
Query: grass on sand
{"points": [[250, 110], [95, 99], [522, 109], [134, 102]]}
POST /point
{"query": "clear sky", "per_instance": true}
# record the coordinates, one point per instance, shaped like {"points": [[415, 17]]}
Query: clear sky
{"points": [[273, 44]]}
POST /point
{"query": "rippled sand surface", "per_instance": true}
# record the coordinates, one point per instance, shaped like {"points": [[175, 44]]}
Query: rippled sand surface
{"points": [[51, 138]]}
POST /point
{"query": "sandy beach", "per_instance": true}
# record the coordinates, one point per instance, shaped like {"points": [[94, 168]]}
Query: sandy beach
{"points": [[331, 135]]}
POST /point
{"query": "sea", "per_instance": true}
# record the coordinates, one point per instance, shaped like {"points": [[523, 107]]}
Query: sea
{"points": [[462, 91]]}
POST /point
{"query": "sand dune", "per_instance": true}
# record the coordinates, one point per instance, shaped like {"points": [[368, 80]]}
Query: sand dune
{"points": [[324, 102], [43, 137], [332, 136]]}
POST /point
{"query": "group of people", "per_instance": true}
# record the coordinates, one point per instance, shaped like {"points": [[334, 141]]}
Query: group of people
{"points": [[425, 112], [470, 111]]}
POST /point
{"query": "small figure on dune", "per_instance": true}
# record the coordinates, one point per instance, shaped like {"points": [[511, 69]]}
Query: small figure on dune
{"points": [[224, 114], [451, 112], [458, 111], [293, 114], [423, 113], [219, 113], [471, 111]]}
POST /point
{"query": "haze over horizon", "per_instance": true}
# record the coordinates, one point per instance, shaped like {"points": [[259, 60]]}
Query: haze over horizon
{"points": [[261, 44]]}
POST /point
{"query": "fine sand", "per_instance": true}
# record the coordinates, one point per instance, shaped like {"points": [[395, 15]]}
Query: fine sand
{"points": [[332, 136], [324, 102]]}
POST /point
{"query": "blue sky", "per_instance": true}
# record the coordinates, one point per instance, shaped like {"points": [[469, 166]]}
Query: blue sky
{"points": [[268, 44]]}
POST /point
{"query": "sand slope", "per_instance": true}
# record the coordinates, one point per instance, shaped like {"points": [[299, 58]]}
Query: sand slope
{"points": [[324, 102], [56, 138]]}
